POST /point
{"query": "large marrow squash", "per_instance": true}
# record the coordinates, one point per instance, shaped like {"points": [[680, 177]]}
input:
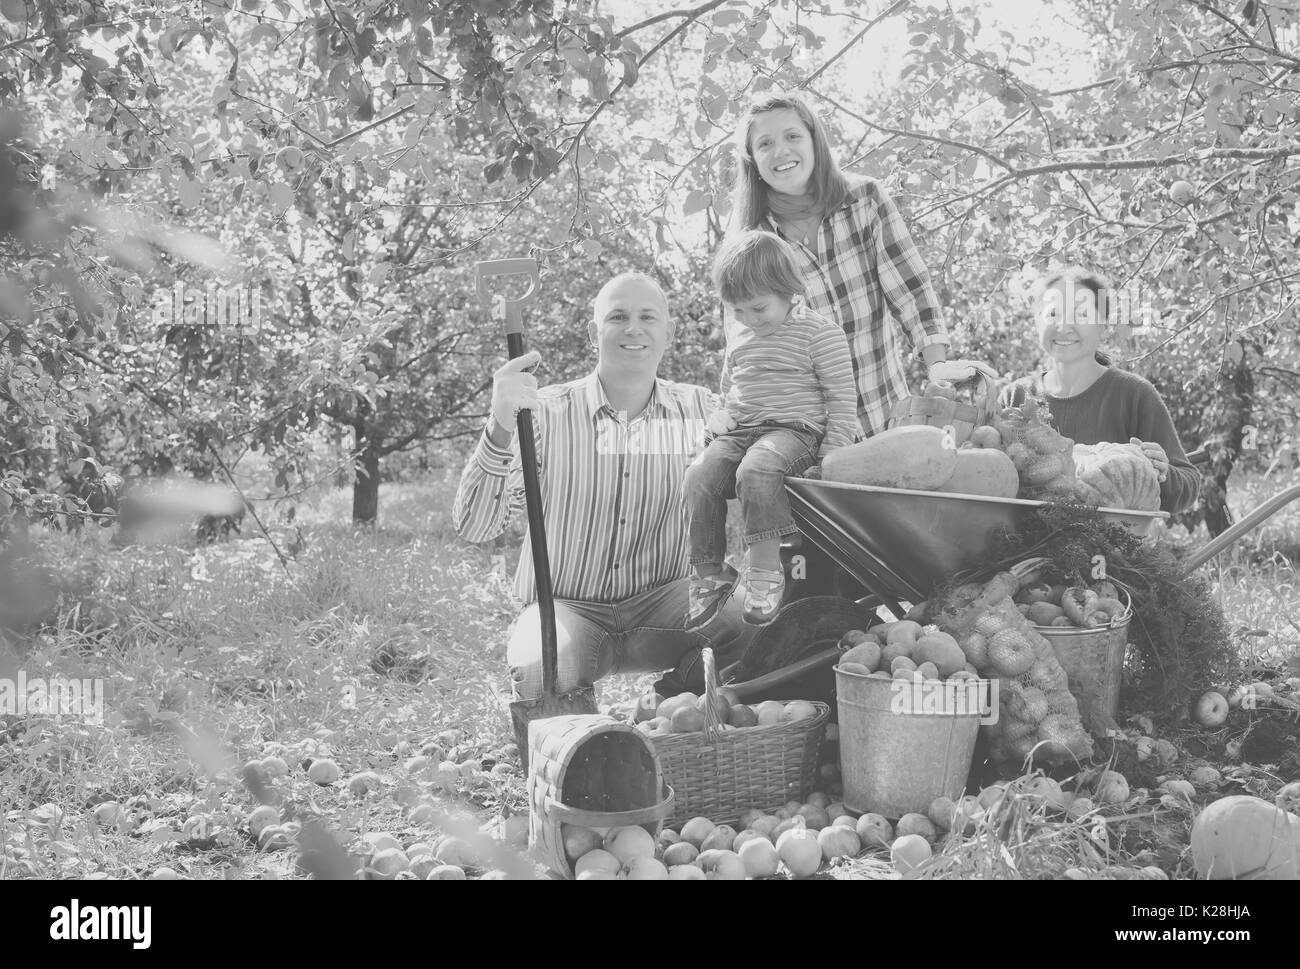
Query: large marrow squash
{"points": [[901, 457], [983, 471]]}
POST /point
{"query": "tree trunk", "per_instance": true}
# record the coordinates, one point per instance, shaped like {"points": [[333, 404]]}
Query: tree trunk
{"points": [[365, 487], [1236, 399]]}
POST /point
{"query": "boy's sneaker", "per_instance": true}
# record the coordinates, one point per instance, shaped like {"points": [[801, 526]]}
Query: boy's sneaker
{"points": [[763, 591], [706, 595]]}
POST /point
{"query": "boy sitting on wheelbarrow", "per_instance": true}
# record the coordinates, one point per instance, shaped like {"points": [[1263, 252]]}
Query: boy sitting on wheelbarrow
{"points": [[611, 448], [790, 398]]}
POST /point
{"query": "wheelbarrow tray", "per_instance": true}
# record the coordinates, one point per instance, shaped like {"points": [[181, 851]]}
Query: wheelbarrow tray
{"points": [[899, 543]]}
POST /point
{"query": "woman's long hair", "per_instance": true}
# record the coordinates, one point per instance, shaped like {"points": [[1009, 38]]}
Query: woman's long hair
{"points": [[1076, 277], [749, 195]]}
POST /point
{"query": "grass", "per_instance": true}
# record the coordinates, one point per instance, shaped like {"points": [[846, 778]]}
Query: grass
{"points": [[208, 656]]}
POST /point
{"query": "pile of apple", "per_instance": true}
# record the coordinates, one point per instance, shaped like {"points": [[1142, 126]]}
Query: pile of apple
{"points": [[1213, 706], [684, 713], [797, 840]]}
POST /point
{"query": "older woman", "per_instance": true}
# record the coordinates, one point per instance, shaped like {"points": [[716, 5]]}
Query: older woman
{"points": [[1092, 401], [861, 268]]}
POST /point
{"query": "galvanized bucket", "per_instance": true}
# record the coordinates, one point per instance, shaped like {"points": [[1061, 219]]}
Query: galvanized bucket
{"points": [[1093, 659], [894, 762]]}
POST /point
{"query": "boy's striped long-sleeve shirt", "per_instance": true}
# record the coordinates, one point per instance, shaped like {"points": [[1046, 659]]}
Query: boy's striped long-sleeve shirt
{"points": [[800, 373], [612, 498]]}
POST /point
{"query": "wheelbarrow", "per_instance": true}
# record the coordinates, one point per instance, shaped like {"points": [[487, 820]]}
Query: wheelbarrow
{"points": [[894, 545]]}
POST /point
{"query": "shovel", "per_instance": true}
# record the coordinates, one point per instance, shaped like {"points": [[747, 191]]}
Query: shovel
{"points": [[509, 310]]}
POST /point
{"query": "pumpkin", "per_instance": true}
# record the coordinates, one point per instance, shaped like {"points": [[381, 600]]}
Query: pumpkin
{"points": [[902, 457], [983, 471], [1115, 476], [1246, 837]]}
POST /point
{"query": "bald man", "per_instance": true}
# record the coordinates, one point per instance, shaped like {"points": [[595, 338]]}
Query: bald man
{"points": [[612, 451]]}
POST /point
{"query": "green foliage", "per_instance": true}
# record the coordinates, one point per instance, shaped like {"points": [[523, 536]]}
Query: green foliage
{"points": [[353, 157]]}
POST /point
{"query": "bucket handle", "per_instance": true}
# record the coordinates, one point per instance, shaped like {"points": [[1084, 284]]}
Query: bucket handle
{"points": [[611, 819]]}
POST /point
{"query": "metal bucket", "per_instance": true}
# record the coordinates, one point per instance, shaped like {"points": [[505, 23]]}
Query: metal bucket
{"points": [[894, 762], [1093, 659]]}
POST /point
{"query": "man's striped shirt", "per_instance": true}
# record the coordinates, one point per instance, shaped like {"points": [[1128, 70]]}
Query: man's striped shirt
{"points": [[611, 489], [863, 272], [799, 373]]}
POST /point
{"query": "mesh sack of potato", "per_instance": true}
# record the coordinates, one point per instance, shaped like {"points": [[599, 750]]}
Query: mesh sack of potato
{"points": [[1044, 458], [1037, 714]]}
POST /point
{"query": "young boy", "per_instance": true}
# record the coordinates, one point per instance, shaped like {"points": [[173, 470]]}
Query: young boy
{"points": [[788, 391]]}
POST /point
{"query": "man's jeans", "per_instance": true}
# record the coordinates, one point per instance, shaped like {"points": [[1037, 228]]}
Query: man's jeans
{"points": [[638, 635], [750, 462]]}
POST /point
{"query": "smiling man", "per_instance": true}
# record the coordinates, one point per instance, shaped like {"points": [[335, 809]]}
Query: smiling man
{"points": [[612, 448]]}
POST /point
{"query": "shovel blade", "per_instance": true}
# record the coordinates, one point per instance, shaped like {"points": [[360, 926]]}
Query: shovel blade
{"points": [[580, 702]]}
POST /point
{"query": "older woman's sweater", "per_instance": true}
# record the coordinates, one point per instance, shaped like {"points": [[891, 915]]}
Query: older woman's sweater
{"points": [[1119, 405]]}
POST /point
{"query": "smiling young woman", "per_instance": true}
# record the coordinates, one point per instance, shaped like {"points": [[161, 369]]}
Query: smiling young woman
{"points": [[860, 267], [1091, 400]]}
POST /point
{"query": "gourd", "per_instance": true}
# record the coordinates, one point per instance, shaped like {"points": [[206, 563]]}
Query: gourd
{"points": [[1246, 837], [1116, 476], [913, 457], [983, 471]]}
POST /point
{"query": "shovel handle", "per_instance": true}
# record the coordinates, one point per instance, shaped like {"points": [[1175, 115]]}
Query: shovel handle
{"points": [[510, 311], [507, 309]]}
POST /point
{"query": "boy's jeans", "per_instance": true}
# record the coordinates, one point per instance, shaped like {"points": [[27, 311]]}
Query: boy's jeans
{"points": [[750, 462]]}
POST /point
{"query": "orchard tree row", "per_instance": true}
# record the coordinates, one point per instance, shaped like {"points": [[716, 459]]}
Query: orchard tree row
{"points": [[236, 226]]}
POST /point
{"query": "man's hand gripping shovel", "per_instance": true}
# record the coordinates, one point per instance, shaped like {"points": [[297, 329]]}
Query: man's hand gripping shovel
{"points": [[509, 311]]}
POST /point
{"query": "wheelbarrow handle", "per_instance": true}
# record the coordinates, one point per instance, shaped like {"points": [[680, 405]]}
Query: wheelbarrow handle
{"points": [[510, 311]]}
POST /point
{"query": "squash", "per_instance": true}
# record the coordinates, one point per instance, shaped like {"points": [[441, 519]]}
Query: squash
{"points": [[1246, 837], [901, 457], [1115, 476], [983, 471]]}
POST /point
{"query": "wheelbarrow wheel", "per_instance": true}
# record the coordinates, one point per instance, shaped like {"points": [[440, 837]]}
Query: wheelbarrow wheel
{"points": [[800, 629]]}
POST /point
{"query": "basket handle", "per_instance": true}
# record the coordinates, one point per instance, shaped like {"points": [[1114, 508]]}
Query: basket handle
{"points": [[712, 722], [611, 819]]}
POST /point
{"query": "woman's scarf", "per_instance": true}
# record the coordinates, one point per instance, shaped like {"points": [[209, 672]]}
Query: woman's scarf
{"points": [[794, 207]]}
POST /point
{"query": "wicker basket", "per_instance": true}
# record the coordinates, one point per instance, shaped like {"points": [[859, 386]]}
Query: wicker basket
{"points": [[963, 416], [1093, 659], [719, 774], [595, 772]]}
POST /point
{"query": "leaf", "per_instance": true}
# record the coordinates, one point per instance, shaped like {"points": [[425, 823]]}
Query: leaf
{"points": [[591, 247], [264, 30], [696, 201], [379, 273], [189, 193], [521, 167], [630, 69], [281, 198]]}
